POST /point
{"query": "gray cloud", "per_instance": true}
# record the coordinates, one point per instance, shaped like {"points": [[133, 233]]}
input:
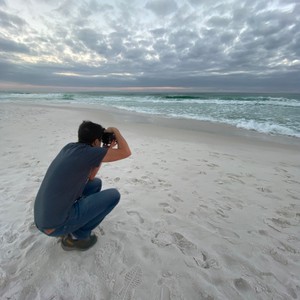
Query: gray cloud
{"points": [[12, 46], [10, 20], [219, 44], [162, 7]]}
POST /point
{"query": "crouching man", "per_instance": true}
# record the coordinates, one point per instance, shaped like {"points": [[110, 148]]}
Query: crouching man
{"points": [[70, 202]]}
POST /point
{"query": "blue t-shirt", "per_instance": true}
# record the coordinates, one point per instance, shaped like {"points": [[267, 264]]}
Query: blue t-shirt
{"points": [[64, 183]]}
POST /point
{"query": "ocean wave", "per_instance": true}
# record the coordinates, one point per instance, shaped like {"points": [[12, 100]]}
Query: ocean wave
{"points": [[158, 99], [266, 127], [67, 97], [181, 97], [220, 101], [144, 110], [262, 127]]}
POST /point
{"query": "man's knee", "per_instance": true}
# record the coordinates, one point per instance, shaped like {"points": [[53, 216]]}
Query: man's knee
{"points": [[94, 185], [115, 196], [97, 182]]}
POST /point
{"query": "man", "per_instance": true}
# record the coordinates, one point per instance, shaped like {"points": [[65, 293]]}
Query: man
{"points": [[70, 202]]}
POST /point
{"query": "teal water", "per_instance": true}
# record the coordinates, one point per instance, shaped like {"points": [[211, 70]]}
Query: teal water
{"points": [[271, 114]]}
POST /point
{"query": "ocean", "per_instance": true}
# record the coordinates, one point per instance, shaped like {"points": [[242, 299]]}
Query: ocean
{"points": [[270, 114]]}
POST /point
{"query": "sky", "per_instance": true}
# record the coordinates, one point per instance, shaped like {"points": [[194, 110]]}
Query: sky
{"points": [[137, 45]]}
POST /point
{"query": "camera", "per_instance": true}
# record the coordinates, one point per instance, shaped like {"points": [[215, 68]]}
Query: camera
{"points": [[108, 138]]}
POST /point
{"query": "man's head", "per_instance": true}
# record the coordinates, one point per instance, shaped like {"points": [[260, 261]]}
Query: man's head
{"points": [[89, 132]]}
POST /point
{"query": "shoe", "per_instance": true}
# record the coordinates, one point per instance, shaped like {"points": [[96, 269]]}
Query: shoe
{"points": [[60, 237], [69, 244]]}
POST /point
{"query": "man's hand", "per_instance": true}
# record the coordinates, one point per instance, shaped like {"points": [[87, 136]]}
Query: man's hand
{"points": [[121, 152], [113, 144], [111, 129]]}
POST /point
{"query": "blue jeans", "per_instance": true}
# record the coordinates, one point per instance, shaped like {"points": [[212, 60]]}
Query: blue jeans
{"points": [[89, 210]]}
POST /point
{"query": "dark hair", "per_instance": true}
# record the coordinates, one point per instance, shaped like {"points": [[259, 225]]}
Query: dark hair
{"points": [[88, 132]]}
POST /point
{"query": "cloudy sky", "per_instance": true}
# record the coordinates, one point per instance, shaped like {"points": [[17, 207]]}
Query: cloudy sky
{"points": [[197, 45]]}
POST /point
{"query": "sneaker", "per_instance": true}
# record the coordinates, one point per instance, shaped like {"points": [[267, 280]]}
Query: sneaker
{"points": [[69, 244]]}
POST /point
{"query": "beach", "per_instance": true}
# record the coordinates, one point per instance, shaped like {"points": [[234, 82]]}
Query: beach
{"points": [[208, 211]]}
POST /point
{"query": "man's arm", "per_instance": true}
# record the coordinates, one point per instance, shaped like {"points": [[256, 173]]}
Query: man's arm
{"points": [[122, 151]]}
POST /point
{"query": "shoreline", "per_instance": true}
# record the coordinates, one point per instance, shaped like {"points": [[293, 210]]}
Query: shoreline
{"points": [[205, 129], [270, 115]]}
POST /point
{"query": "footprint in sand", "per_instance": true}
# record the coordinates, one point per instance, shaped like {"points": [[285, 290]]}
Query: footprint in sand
{"points": [[214, 154], [105, 257], [137, 214], [293, 194], [132, 279], [288, 248], [203, 261], [117, 179], [212, 166], [164, 183], [241, 284], [202, 173], [194, 257], [263, 232], [32, 228], [235, 178], [264, 190], [168, 208], [277, 223], [286, 212], [3, 278], [164, 293], [221, 213], [26, 242], [175, 198], [278, 256], [291, 181], [164, 239], [184, 245], [10, 237], [101, 230], [27, 274], [227, 233], [280, 170]]}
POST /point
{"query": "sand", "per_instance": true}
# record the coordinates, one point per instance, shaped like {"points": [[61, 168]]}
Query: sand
{"points": [[207, 211]]}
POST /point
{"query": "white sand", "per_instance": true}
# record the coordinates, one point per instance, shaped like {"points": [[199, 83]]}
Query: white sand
{"points": [[204, 214]]}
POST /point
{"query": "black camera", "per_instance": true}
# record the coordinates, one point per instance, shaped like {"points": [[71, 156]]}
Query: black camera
{"points": [[108, 138]]}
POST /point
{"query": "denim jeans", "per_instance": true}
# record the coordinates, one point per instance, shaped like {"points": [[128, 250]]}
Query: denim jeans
{"points": [[89, 210]]}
